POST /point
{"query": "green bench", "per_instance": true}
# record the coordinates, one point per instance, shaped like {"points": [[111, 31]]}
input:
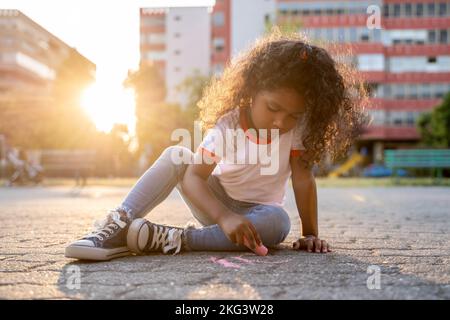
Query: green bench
{"points": [[436, 159]]}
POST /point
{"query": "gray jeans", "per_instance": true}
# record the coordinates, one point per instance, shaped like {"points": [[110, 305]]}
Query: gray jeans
{"points": [[271, 222]]}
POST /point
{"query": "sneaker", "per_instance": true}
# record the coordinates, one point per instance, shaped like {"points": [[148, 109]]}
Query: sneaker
{"points": [[108, 241], [144, 237]]}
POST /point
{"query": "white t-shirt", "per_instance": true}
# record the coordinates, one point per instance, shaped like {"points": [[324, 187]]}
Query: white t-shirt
{"points": [[249, 169]]}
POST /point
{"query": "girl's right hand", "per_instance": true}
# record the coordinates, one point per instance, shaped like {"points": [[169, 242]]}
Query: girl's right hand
{"points": [[236, 227]]}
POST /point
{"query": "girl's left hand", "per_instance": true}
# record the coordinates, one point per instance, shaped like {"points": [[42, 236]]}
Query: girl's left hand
{"points": [[311, 244]]}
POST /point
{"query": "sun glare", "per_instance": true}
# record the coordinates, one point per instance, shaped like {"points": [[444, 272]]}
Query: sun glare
{"points": [[107, 105]]}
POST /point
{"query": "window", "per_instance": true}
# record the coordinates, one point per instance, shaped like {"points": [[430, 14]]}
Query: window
{"points": [[364, 36], [431, 9], [177, 35], [177, 18], [441, 90], [396, 10], [442, 9], [412, 94], [177, 52], [443, 36], [376, 35], [394, 117], [218, 19], [432, 60], [156, 55], [153, 21], [386, 10], [408, 9], [432, 36], [156, 38], [218, 69], [399, 91], [317, 33], [329, 34], [419, 10], [219, 44], [341, 35], [353, 35], [410, 118], [388, 91], [425, 90]]}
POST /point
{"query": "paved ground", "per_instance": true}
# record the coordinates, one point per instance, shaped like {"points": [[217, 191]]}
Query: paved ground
{"points": [[405, 232]]}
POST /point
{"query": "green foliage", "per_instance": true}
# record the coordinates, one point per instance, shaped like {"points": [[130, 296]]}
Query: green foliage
{"points": [[434, 127], [156, 119]]}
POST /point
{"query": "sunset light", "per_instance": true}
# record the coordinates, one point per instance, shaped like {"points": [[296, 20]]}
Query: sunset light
{"points": [[107, 105]]}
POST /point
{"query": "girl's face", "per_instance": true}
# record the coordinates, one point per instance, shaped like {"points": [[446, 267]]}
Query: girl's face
{"points": [[278, 109]]}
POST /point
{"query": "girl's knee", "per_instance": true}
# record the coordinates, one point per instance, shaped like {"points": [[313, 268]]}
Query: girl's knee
{"points": [[272, 223], [177, 154], [178, 158]]}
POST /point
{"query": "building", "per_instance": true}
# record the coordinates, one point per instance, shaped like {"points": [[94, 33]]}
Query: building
{"points": [[406, 62], [250, 20], [220, 36], [29, 57], [177, 41], [235, 25]]}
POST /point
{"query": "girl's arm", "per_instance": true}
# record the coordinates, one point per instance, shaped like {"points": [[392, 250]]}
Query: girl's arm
{"points": [[195, 187], [305, 191]]}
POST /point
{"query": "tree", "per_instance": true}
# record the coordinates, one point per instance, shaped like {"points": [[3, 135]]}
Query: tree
{"points": [[68, 125], [55, 120], [434, 127], [194, 86], [155, 120]]}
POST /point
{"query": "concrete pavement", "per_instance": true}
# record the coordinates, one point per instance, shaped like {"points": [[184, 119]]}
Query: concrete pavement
{"points": [[397, 237]]}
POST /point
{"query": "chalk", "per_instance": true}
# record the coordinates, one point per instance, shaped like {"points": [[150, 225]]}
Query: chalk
{"points": [[260, 250]]}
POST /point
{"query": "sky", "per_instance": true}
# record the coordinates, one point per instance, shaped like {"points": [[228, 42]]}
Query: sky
{"points": [[105, 32]]}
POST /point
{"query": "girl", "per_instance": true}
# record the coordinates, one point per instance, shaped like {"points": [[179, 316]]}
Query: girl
{"points": [[287, 96]]}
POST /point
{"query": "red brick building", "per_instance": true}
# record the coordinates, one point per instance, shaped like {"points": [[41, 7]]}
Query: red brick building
{"points": [[406, 62]]}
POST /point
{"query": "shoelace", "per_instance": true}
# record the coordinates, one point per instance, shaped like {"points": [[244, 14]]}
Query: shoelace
{"points": [[166, 238], [106, 227]]}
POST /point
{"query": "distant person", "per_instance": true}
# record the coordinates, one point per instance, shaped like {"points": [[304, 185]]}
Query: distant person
{"points": [[283, 94], [24, 170]]}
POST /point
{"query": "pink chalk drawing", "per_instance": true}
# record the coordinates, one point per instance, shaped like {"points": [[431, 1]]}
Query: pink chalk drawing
{"points": [[243, 260], [225, 263]]}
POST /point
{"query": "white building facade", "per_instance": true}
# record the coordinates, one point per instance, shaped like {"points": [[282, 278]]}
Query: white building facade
{"points": [[177, 40]]}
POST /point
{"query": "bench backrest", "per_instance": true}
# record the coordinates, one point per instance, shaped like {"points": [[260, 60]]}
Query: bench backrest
{"points": [[417, 158], [67, 159]]}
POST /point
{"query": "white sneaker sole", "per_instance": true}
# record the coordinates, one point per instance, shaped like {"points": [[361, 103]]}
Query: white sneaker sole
{"points": [[137, 236], [92, 253]]}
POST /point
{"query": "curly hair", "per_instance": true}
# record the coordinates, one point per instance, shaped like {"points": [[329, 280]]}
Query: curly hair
{"points": [[334, 93]]}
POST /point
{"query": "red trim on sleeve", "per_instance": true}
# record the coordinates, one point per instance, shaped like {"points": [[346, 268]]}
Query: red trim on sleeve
{"points": [[296, 153]]}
